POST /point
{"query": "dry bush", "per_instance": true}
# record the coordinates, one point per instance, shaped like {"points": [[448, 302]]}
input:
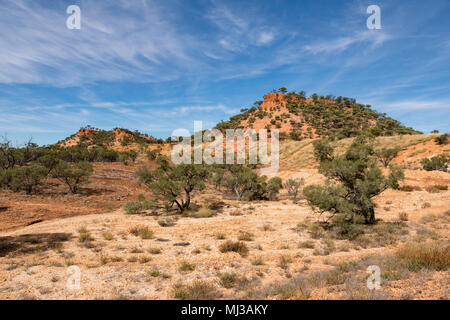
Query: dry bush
{"points": [[227, 279], [197, 290], [108, 236], [204, 212], [434, 256], [142, 231], [284, 261], [84, 235], [168, 222], [245, 236], [154, 250], [426, 205], [186, 266], [306, 244], [238, 246]]}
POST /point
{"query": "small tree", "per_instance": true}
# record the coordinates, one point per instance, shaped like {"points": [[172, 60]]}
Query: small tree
{"points": [[242, 180], [49, 161], [293, 186], [174, 183], [73, 175], [386, 155], [246, 183], [353, 180]]}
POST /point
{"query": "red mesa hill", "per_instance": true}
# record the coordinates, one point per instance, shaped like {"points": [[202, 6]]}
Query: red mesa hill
{"points": [[298, 117], [112, 138]]}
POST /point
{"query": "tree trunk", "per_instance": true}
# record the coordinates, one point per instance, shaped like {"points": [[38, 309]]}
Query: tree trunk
{"points": [[371, 217]]}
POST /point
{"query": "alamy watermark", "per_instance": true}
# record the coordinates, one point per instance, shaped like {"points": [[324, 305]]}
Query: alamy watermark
{"points": [[374, 279], [74, 20], [237, 142], [374, 21], [74, 280]]}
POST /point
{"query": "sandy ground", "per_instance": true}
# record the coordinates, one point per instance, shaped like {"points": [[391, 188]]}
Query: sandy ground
{"points": [[32, 266], [40, 240]]}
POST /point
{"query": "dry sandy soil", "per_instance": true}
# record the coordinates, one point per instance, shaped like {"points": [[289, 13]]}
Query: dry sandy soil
{"points": [[42, 236]]}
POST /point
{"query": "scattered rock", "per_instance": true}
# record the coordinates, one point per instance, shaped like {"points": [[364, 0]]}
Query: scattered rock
{"points": [[182, 244]]}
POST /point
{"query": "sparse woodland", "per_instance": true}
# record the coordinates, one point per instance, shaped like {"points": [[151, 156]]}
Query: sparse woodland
{"points": [[355, 188]]}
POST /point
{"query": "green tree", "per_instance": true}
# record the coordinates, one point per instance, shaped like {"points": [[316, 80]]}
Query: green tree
{"points": [[49, 161], [353, 180], [386, 155], [73, 175], [242, 180], [174, 183], [247, 184]]}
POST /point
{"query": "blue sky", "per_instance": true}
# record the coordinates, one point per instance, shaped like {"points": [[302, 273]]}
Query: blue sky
{"points": [[156, 66]]}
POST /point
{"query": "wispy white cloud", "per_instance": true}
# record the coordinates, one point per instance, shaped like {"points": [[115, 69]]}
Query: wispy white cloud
{"points": [[219, 107], [265, 37], [417, 105], [373, 38], [38, 48]]}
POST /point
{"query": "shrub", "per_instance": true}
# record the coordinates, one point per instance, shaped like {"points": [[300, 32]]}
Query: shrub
{"points": [[284, 261], [186, 266], [139, 206], [438, 163], [84, 235], [127, 156], [245, 236], [403, 216], [434, 256], [227, 279], [197, 290], [154, 272], [108, 236], [238, 247], [152, 155], [221, 236], [258, 261], [133, 207], [154, 250], [203, 212], [307, 245], [142, 231], [426, 205], [27, 178], [316, 231], [168, 222], [442, 139]]}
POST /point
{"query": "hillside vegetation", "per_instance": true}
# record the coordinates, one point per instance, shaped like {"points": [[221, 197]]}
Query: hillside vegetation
{"points": [[299, 118]]}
